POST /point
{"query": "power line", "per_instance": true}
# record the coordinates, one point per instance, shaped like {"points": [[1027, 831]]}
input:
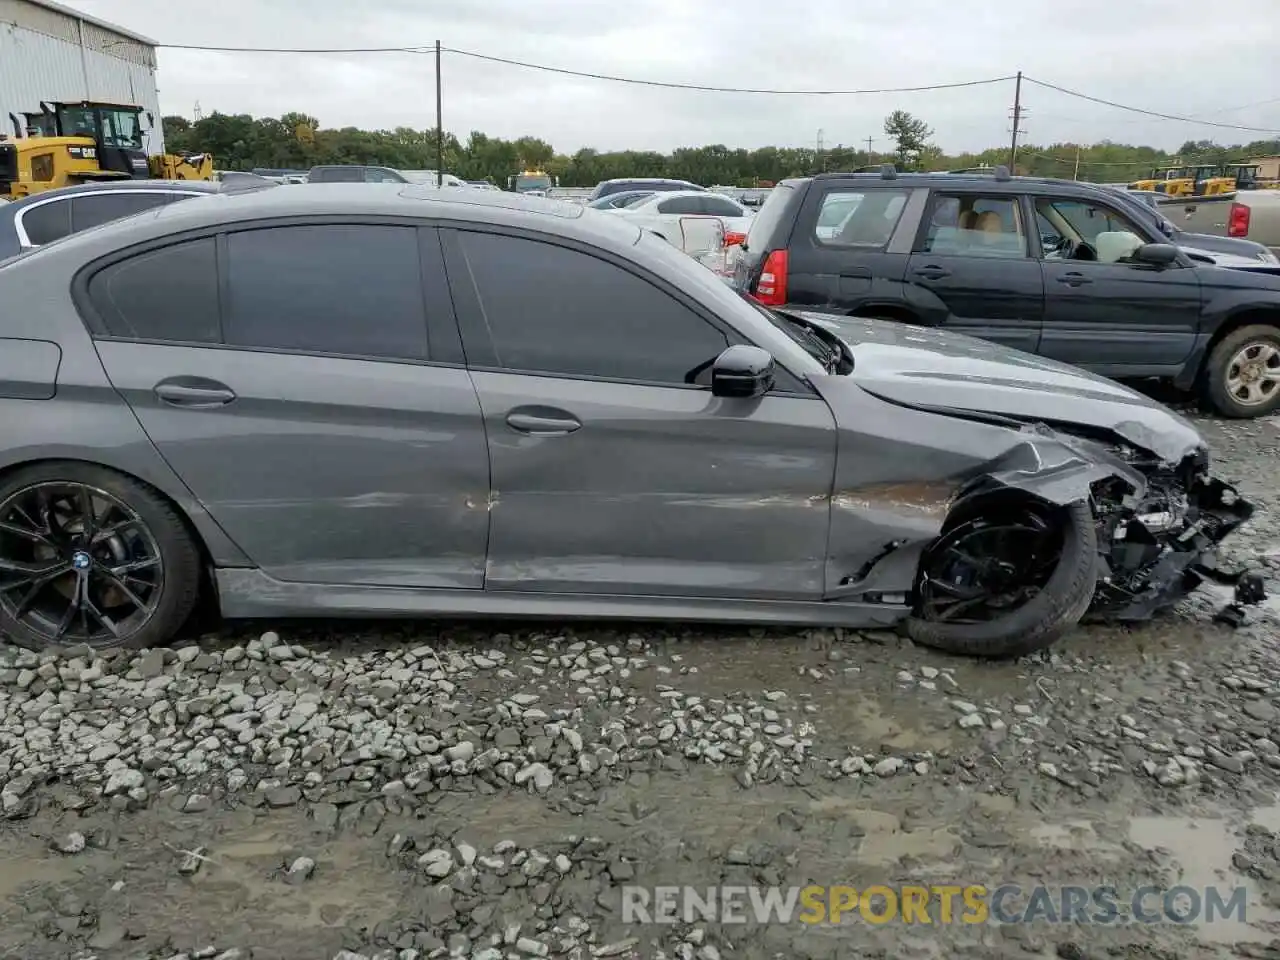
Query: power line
{"points": [[713, 89], [1153, 162], [1149, 113], [426, 48], [564, 71]]}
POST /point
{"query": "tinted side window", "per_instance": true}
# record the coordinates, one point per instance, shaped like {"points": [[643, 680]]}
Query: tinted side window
{"points": [[345, 289], [975, 226], [165, 294], [681, 205], [558, 311], [91, 211], [720, 207], [858, 218], [47, 222]]}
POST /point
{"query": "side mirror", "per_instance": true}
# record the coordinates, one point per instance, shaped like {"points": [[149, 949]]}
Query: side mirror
{"points": [[742, 371], [1156, 254]]}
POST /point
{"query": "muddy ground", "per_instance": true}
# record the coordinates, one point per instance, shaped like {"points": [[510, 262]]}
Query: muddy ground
{"points": [[295, 791]]}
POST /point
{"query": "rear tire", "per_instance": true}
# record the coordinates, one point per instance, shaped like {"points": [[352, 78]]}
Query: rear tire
{"points": [[1233, 368], [142, 548], [1044, 618]]}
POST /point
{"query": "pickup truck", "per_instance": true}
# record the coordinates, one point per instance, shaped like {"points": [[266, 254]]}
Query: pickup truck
{"points": [[1248, 214]]}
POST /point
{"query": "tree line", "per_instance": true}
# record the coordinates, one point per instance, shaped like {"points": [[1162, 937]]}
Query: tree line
{"points": [[297, 141]]}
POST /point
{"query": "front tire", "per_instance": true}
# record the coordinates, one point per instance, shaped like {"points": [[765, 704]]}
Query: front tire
{"points": [[1242, 376], [91, 558], [1050, 573]]}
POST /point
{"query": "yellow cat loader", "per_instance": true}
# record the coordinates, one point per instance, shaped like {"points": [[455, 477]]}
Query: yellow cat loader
{"points": [[70, 143], [1201, 181]]}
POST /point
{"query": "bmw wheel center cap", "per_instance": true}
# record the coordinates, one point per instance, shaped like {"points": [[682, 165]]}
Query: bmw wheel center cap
{"points": [[81, 560]]}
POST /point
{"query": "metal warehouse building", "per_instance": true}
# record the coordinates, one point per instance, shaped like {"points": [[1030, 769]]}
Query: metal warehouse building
{"points": [[50, 52]]}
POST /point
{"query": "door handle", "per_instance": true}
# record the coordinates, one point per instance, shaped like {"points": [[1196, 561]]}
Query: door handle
{"points": [[185, 395], [1074, 279], [932, 273], [543, 425]]}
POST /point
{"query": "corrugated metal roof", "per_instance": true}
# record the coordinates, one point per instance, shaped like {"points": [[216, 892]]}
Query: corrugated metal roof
{"points": [[88, 18]]}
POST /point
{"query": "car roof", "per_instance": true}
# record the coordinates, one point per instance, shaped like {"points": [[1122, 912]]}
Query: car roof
{"points": [[494, 207]]}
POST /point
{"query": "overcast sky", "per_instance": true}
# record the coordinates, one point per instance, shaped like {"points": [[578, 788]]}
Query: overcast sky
{"points": [[1138, 52]]}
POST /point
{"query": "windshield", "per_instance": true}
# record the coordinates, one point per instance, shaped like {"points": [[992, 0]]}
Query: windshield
{"points": [[526, 182]]}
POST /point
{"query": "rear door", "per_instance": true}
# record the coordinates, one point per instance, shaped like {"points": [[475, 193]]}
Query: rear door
{"points": [[1112, 316], [856, 257], [972, 269], [307, 384]]}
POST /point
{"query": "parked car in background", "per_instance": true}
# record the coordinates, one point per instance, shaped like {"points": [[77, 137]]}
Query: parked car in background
{"points": [[1248, 215], [431, 178], [358, 173], [606, 187], [53, 214], [1207, 248], [616, 200], [1053, 267], [308, 395], [663, 214]]}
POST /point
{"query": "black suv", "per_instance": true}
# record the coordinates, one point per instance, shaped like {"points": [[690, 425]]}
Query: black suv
{"points": [[1053, 267]]}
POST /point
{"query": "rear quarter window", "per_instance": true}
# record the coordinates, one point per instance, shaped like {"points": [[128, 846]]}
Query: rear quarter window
{"points": [[863, 218]]}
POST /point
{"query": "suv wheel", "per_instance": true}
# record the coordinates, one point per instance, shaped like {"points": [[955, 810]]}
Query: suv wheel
{"points": [[1242, 378]]}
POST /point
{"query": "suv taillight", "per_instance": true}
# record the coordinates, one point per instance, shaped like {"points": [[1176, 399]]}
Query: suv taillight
{"points": [[771, 288], [1238, 220]]}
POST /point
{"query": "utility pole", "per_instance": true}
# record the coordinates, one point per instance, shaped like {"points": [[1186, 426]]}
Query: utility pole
{"points": [[871, 157], [1017, 115], [818, 162], [1075, 174], [439, 122]]}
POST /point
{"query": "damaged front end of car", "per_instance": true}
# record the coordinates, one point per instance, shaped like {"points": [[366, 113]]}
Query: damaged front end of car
{"points": [[1158, 542]]}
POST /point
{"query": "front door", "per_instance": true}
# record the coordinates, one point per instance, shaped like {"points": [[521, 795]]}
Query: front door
{"points": [[615, 471], [972, 270], [309, 414], [1104, 311]]}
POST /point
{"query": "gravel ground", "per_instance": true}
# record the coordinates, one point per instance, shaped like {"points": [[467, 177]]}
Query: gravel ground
{"points": [[412, 791]]}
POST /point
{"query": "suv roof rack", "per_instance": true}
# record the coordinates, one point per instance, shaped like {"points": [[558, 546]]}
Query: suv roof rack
{"points": [[888, 172]]}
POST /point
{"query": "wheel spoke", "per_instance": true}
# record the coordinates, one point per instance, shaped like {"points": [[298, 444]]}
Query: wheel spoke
{"points": [[84, 496], [29, 570], [73, 607], [114, 530], [38, 584], [119, 584], [26, 533], [91, 608], [133, 566]]}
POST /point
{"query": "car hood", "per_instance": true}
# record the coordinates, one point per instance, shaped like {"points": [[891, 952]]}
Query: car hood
{"points": [[934, 369], [1219, 258]]}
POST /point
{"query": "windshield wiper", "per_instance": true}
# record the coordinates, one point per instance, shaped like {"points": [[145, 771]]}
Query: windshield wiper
{"points": [[828, 349]]}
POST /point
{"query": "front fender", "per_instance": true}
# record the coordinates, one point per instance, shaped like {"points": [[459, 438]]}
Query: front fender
{"points": [[900, 471]]}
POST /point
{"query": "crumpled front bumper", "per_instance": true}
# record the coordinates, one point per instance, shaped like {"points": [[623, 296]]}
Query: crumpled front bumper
{"points": [[1162, 547]]}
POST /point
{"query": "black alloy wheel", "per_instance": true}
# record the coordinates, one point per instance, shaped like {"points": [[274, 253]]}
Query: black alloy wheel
{"points": [[77, 565], [986, 568], [1008, 581]]}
